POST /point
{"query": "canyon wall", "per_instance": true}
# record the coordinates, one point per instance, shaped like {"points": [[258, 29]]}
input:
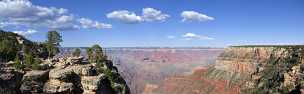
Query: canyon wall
{"points": [[244, 70], [247, 59], [263, 69]]}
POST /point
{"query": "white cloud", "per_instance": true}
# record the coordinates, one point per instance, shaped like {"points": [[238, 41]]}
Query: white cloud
{"points": [[151, 14], [170, 37], [148, 15], [2, 24], [124, 16], [28, 32], [195, 16], [191, 36], [87, 23], [24, 13]]}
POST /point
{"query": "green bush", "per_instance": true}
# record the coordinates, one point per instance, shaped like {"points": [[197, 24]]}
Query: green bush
{"points": [[77, 52], [35, 65], [17, 63]]}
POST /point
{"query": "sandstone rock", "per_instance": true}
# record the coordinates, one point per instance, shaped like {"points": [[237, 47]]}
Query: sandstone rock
{"points": [[45, 66], [247, 59], [65, 73], [36, 75], [84, 70], [275, 65], [56, 86], [74, 60], [33, 81], [63, 76], [91, 83], [10, 81]]}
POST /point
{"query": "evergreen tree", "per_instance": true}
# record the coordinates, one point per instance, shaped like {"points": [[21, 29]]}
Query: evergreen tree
{"points": [[77, 52], [29, 59], [90, 54], [54, 38], [95, 54], [18, 64], [53, 43], [9, 46], [98, 54], [35, 65]]}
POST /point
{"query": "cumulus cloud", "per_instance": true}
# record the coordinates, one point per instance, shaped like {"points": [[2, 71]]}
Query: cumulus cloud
{"points": [[148, 15], [151, 14], [28, 32], [24, 13], [88, 23], [191, 36], [195, 16], [124, 16]]}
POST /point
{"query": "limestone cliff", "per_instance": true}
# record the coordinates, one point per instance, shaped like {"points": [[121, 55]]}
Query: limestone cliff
{"points": [[262, 69]]}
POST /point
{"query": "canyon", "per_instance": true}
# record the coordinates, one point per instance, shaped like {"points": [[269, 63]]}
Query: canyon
{"points": [[244, 70], [247, 69], [234, 70], [145, 68]]}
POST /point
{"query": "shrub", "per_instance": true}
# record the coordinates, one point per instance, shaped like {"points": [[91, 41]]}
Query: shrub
{"points": [[77, 52], [36, 64], [17, 63]]}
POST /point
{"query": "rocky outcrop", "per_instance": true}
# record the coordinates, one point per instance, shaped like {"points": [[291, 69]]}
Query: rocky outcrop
{"points": [[33, 81], [247, 59], [10, 80], [69, 75]]}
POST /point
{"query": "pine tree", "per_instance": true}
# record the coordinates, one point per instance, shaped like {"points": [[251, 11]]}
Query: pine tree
{"points": [[35, 65], [29, 60], [53, 43], [95, 54], [17, 63], [90, 55], [77, 52]]}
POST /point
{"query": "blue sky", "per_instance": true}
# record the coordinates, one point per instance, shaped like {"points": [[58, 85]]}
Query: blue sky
{"points": [[122, 23]]}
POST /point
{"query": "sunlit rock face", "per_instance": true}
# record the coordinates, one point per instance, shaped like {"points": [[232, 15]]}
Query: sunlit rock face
{"points": [[242, 70], [262, 69], [69, 75], [247, 59]]}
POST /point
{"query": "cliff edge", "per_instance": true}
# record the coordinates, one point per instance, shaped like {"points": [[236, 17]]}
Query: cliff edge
{"points": [[261, 69], [24, 69]]}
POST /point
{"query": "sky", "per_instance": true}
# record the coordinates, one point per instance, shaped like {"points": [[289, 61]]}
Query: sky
{"points": [[157, 23]]}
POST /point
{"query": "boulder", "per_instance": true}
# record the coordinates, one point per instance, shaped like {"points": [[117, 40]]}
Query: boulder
{"points": [[10, 81], [65, 74], [33, 81], [80, 70], [85, 70], [56, 86], [74, 60], [91, 83]]}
